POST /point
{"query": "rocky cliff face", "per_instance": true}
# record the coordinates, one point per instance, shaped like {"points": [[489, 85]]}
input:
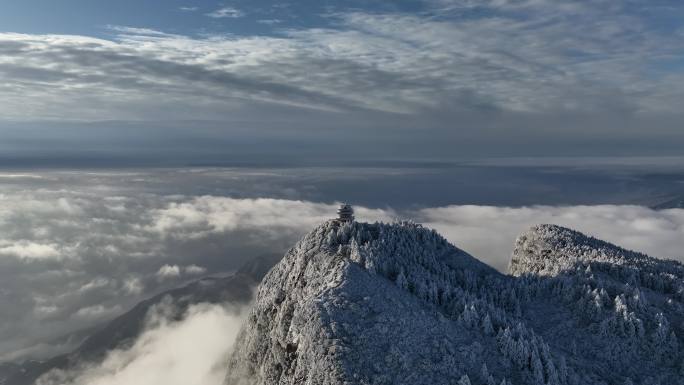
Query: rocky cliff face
{"points": [[365, 303]]}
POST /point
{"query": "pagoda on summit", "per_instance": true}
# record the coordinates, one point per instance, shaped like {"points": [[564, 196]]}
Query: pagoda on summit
{"points": [[345, 213]]}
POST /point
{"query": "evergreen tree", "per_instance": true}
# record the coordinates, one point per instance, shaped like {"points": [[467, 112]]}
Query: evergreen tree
{"points": [[537, 369], [487, 327], [484, 372], [465, 380]]}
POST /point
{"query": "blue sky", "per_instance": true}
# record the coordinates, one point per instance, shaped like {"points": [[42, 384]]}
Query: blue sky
{"points": [[396, 79], [183, 17]]}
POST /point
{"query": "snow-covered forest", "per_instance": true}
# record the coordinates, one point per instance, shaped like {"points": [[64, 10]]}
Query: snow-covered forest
{"points": [[396, 303]]}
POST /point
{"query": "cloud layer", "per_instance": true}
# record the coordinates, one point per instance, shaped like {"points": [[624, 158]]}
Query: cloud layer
{"points": [[191, 351], [455, 59], [80, 248], [308, 83]]}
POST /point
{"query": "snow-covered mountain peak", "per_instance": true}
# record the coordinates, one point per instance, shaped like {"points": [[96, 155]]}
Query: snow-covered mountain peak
{"points": [[347, 292], [359, 303], [387, 249], [551, 250]]}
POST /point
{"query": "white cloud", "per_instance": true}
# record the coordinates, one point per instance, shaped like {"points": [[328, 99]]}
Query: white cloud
{"points": [[134, 286], [97, 312], [187, 352], [97, 283], [269, 21], [569, 57], [21, 176], [175, 271], [137, 31], [43, 311], [29, 250], [194, 270], [226, 12], [168, 271], [210, 214]]}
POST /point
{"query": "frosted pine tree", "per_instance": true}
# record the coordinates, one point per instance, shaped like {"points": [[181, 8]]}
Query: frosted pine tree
{"points": [[464, 380]]}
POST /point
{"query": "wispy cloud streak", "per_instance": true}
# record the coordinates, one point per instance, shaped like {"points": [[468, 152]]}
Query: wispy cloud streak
{"points": [[591, 59]]}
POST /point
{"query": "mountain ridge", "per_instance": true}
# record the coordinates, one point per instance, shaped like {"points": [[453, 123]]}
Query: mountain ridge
{"points": [[331, 268], [554, 322]]}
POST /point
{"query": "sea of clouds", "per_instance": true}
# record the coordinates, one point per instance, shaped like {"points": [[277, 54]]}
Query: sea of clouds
{"points": [[192, 351], [76, 252]]}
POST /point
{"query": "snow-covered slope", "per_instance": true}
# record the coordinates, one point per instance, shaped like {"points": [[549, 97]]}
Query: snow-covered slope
{"points": [[621, 312], [554, 250], [349, 304], [359, 303]]}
